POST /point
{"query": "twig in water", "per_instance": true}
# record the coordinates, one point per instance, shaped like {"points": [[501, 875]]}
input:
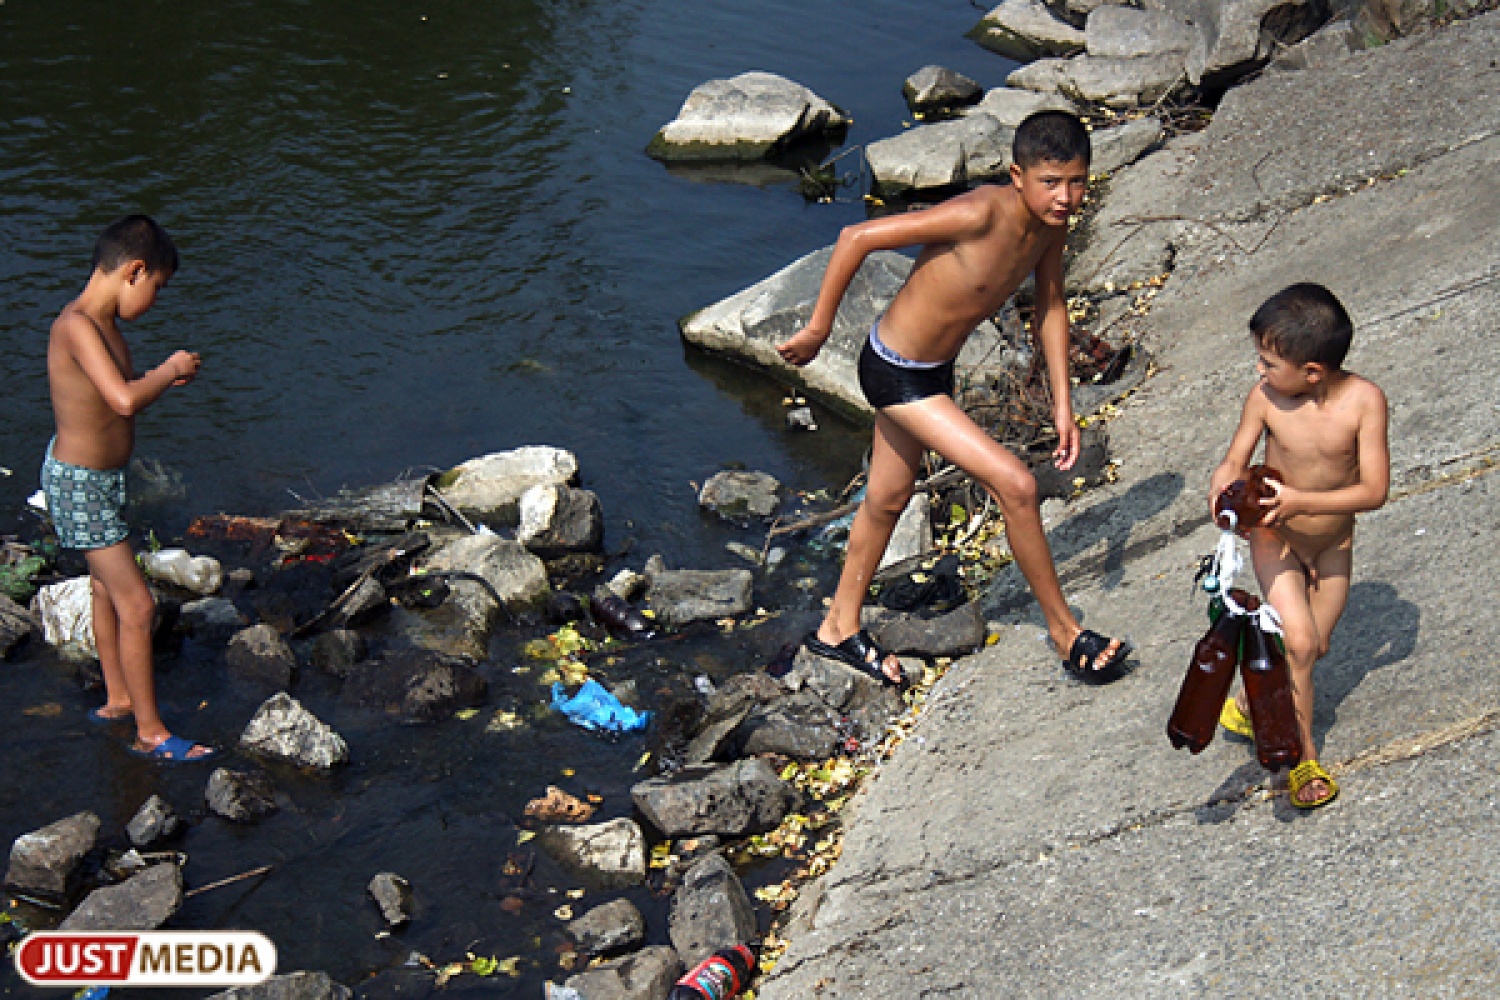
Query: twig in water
{"points": [[228, 881], [448, 507]]}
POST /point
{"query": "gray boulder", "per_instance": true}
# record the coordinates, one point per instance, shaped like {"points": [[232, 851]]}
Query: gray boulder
{"points": [[957, 633], [747, 117], [516, 579], [1122, 145], [45, 862], [261, 655], [491, 485], [613, 927], [337, 651], [1116, 250], [283, 730], [155, 820], [1076, 12], [646, 975], [869, 703], [947, 154], [602, 855], [937, 89], [368, 597], [240, 796], [1024, 30], [557, 520], [15, 625], [710, 911], [1237, 37], [1328, 45], [290, 986], [1123, 83], [728, 707], [1129, 32], [392, 894], [735, 495], [687, 595], [799, 726], [416, 685], [1010, 106], [142, 902], [912, 535], [211, 618], [749, 324], [733, 800]]}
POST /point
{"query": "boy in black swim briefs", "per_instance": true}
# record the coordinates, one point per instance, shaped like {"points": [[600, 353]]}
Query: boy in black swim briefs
{"points": [[976, 250]]}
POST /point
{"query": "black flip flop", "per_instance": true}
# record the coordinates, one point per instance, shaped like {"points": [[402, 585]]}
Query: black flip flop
{"points": [[1090, 645], [855, 652]]}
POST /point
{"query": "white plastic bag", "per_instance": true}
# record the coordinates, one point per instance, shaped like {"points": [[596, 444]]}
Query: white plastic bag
{"points": [[67, 612], [200, 574]]}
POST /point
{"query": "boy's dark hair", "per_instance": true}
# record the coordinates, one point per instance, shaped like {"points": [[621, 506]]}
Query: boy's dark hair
{"points": [[1050, 135], [135, 237], [1302, 323]]}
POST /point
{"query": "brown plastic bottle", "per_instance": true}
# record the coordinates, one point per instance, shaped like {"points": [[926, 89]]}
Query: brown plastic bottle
{"points": [[1196, 715], [1244, 496], [1268, 689]]}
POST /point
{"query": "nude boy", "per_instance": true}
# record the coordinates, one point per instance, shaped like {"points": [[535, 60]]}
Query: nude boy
{"points": [[95, 398], [976, 249], [1325, 433]]}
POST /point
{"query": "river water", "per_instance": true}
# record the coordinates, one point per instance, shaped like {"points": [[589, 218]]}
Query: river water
{"points": [[411, 233]]}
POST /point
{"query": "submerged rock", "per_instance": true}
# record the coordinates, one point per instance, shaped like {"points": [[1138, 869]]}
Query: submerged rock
{"points": [[392, 894], [337, 651], [615, 926], [646, 975], [15, 626], [603, 856], [417, 685], [45, 862], [735, 495], [260, 654], [142, 902], [240, 796], [937, 89], [747, 117], [710, 911], [211, 618], [733, 800], [492, 485], [155, 820], [688, 595], [284, 730]]}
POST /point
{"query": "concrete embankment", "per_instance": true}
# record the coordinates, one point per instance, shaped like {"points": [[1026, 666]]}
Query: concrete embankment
{"points": [[1037, 837]]}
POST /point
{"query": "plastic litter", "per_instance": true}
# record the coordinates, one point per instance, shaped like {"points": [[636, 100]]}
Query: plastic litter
{"points": [[67, 611], [594, 708], [201, 574]]}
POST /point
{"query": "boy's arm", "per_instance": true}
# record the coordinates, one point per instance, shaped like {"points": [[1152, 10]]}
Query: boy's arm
{"points": [[953, 220], [1374, 483], [1050, 328], [127, 397], [1241, 446]]}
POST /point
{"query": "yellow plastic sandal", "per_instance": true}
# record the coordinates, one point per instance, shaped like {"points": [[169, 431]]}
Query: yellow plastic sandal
{"points": [[1308, 771], [1237, 722]]}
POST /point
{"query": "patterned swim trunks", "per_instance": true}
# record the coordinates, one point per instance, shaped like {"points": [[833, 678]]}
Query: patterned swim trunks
{"points": [[87, 505]]}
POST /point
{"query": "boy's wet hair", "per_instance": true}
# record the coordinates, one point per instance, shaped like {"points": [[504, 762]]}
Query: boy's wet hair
{"points": [[1055, 136], [1304, 323], [135, 237]]}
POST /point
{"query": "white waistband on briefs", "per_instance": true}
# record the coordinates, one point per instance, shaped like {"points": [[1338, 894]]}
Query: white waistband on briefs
{"points": [[891, 357]]}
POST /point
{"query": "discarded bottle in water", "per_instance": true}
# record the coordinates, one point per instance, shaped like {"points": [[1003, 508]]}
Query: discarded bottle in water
{"points": [[1195, 717], [1242, 498], [620, 618], [200, 574], [722, 975], [1268, 689]]}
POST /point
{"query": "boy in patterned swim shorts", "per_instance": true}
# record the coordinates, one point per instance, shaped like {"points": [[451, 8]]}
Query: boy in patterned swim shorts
{"points": [[95, 398]]}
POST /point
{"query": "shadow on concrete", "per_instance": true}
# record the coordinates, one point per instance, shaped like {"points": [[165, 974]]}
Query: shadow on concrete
{"points": [[1378, 629]]}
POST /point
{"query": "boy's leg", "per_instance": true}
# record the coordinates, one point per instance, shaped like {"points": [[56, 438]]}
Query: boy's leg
{"points": [[1284, 580], [117, 704], [124, 642], [939, 424], [895, 457]]}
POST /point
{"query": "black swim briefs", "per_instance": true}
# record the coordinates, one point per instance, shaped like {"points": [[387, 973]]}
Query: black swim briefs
{"points": [[888, 379]]}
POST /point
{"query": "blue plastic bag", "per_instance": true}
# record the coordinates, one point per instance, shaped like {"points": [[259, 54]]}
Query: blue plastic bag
{"points": [[593, 707]]}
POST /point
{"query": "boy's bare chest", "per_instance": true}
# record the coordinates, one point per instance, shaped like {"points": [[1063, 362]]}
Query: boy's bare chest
{"points": [[1318, 447]]}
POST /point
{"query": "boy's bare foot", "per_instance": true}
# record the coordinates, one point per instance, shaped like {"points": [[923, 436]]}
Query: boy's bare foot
{"points": [[1090, 654], [1310, 786], [170, 748], [111, 713]]}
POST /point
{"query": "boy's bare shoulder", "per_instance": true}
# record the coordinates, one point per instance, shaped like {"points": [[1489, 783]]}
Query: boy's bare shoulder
{"points": [[73, 323], [1364, 393]]}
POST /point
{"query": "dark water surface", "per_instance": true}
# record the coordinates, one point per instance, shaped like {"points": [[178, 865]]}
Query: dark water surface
{"points": [[412, 233]]}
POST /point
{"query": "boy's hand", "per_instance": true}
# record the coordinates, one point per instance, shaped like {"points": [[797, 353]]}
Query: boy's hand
{"points": [[802, 346], [1283, 503], [184, 366], [1069, 440]]}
